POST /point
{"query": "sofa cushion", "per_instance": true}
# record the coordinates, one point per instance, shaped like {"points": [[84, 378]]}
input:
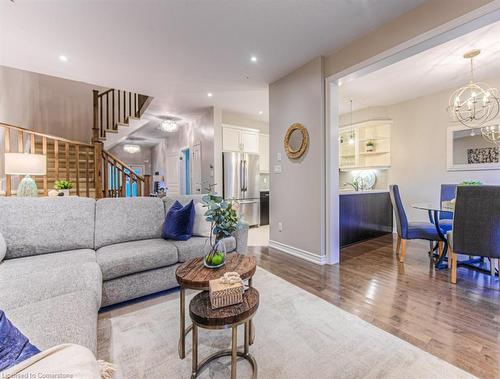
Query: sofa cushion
{"points": [[136, 256], [179, 222], [69, 318], [183, 199], [3, 247], [15, 346], [128, 219], [33, 226], [29, 286], [198, 246], [12, 267]]}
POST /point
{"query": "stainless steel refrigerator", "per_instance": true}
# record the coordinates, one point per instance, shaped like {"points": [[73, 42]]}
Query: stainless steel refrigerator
{"points": [[241, 182]]}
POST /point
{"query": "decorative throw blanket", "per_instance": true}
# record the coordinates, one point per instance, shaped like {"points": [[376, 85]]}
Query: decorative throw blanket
{"points": [[14, 346]]}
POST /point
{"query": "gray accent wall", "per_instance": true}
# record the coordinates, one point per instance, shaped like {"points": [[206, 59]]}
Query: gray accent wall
{"points": [[297, 194], [47, 104]]}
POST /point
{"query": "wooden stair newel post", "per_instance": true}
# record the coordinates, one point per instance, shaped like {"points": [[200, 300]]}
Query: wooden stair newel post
{"points": [[147, 185], [95, 127], [99, 193]]}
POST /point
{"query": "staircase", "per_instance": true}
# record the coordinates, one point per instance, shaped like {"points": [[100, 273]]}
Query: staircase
{"points": [[93, 171]]}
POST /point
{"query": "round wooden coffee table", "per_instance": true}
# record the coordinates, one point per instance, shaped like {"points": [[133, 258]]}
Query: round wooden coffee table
{"points": [[203, 316], [193, 274]]}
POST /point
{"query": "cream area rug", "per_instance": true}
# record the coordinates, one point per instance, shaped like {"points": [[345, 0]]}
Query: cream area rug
{"points": [[297, 335]]}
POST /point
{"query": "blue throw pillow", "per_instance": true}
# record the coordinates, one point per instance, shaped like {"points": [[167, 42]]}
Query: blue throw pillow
{"points": [[179, 222], [14, 346]]}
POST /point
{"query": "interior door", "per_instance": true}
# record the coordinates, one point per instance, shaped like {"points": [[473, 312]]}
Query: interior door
{"points": [[196, 181], [172, 174]]}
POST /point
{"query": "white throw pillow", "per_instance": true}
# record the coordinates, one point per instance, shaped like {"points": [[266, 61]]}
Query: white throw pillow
{"points": [[3, 247], [201, 227]]}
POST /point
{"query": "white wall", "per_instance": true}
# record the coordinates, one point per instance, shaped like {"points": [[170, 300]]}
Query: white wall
{"points": [[246, 121], [296, 195], [418, 147]]}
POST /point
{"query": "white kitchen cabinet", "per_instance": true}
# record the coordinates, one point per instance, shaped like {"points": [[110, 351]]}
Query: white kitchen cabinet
{"points": [[264, 152], [240, 139], [231, 139], [250, 141]]}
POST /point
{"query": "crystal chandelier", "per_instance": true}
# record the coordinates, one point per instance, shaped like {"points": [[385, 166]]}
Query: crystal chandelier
{"points": [[475, 104], [491, 133], [132, 149], [169, 126]]}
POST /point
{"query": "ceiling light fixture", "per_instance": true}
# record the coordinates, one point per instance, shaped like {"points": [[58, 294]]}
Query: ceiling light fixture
{"points": [[132, 149], [210, 94], [491, 133], [169, 126], [261, 112], [63, 58], [254, 59], [476, 104]]}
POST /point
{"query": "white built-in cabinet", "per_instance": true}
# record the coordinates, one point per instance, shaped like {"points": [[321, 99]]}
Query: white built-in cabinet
{"points": [[365, 145], [240, 139], [246, 140], [264, 153]]}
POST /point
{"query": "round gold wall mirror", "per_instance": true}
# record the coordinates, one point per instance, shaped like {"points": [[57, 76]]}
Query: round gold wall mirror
{"points": [[296, 141]]}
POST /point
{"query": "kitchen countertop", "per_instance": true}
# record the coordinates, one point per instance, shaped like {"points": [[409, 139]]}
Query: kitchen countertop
{"points": [[352, 192]]}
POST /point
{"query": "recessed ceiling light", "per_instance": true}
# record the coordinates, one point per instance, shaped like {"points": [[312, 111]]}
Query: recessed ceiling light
{"points": [[261, 112], [210, 94], [63, 58], [253, 58]]}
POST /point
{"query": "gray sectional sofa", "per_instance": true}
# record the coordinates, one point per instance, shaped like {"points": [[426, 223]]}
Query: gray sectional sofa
{"points": [[68, 257]]}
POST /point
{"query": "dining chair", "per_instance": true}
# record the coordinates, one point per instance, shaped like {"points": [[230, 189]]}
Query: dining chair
{"points": [[448, 192], [410, 230], [476, 225]]}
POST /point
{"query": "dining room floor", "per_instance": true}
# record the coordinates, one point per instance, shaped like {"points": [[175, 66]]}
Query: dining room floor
{"points": [[413, 301]]}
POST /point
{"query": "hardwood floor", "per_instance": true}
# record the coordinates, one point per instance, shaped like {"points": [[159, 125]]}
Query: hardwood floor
{"points": [[413, 301]]}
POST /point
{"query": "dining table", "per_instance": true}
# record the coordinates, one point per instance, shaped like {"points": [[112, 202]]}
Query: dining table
{"points": [[434, 209]]}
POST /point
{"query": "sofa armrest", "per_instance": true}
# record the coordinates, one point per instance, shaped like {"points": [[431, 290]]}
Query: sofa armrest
{"points": [[241, 237], [68, 359]]}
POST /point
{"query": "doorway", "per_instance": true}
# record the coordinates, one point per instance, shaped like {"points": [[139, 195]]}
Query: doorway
{"points": [[424, 42], [185, 171]]}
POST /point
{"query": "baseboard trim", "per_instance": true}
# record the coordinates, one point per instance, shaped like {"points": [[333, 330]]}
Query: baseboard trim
{"points": [[306, 255]]}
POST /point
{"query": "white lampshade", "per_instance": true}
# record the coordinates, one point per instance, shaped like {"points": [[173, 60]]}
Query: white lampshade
{"points": [[25, 164]]}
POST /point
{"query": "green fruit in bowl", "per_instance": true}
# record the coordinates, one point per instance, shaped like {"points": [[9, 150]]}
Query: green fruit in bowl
{"points": [[208, 260], [217, 260]]}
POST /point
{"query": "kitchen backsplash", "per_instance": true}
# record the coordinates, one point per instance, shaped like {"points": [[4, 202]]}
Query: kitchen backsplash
{"points": [[348, 177]]}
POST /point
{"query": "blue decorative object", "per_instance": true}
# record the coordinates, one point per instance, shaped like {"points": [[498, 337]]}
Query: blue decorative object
{"points": [[14, 346], [179, 222]]}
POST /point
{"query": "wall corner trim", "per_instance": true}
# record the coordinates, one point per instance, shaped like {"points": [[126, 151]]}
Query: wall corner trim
{"points": [[306, 255]]}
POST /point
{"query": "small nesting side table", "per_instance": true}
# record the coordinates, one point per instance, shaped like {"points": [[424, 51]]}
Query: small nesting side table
{"points": [[203, 316], [194, 275]]}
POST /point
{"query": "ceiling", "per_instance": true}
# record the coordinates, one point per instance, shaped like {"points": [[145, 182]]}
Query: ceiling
{"points": [[434, 70], [179, 50]]}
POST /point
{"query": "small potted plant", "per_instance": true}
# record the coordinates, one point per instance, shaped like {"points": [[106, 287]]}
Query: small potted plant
{"points": [[222, 214], [370, 146], [63, 186]]}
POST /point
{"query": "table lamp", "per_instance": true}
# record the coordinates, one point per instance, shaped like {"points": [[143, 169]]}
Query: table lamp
{"points": [[26, 164]]}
